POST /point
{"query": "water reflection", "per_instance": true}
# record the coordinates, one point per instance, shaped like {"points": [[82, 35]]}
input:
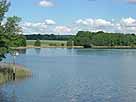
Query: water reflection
{"points": [[129, 52], [3, 97], [37, 50], [76, 75], [7, 96], [13, 96], [21, 51]]}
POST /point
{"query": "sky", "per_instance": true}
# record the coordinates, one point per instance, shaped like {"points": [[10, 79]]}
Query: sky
{"points": [[71, 16]]}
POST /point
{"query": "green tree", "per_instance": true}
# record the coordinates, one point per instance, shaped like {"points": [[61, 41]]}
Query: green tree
{"points": [[70, 43], [83, 38], [4, 5], [89, 39], [10, 31], [37, 43]]}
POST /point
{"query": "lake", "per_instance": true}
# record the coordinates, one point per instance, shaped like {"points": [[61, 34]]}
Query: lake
{"points": [[74, 75]]}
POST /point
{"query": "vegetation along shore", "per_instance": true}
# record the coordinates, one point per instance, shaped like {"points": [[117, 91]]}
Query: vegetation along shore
{"points": [[85, 39], [10, 36], [6, 72]]}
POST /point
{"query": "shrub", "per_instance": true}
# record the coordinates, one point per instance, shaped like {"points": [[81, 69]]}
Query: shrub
{"points": [[62, 44], [52, 44], [70, 43], [37, 43]]}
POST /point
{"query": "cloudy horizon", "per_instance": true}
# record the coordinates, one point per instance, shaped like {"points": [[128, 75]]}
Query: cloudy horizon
{"points": [[69, 17]]}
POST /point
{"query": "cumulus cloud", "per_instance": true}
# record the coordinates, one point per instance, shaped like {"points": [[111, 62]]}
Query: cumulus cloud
{"points": [[62, 29], [128, 25], [35, 25], [102, 23], [46, 3], [50, 22], [124, 25], [128, 22], [94, 22], [31, 27], [39, 27], [85, 22]]}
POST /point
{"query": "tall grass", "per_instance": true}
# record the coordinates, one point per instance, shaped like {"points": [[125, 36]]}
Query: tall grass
{"points": [[6, 72]]}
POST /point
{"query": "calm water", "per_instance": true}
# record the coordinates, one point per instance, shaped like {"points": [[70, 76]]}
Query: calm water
{"points": [[74, 75]]}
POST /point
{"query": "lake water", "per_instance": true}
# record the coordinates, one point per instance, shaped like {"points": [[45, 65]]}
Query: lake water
{"points": [[74, 75]]}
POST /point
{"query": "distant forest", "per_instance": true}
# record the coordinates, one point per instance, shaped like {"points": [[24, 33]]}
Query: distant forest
{"points": [[48, 37], [90, 39]]}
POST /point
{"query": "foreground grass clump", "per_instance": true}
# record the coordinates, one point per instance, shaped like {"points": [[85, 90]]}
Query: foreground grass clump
{"points": [[6, 72], [22, 72], [3, 78]]}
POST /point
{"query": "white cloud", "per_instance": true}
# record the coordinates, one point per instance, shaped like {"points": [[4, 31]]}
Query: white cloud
{"points": [[31, 27], [50, 22], [129, 22], [39, 27], [80, 21], [102, 23], [62, 29], [35, 25], [94, 22], [127, 25], [124, 25], [46, 3]]}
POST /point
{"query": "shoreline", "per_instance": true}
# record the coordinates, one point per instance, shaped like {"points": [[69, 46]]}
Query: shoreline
{"points": [[6, 72], [49, 47], [93, 47], [113, 47]]}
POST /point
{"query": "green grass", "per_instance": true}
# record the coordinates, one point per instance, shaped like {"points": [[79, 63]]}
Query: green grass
{"points": [[22, 72], [6, 74], [48, 43], [3, 78]]}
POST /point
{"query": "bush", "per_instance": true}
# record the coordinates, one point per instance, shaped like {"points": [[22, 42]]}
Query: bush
{"points": [[52, 44], [70, 43], [37, 43], [62, 44]]}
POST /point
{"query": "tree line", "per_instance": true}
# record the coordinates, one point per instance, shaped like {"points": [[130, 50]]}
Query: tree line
{"points": [[10, 31], [90, 39], [48, 37]]}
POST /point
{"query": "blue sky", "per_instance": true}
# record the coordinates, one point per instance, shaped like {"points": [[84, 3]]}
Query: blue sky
{"points": [[70, 16]]}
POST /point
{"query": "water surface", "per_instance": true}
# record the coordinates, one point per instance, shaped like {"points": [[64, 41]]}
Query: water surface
{"points": [[74, 75]]}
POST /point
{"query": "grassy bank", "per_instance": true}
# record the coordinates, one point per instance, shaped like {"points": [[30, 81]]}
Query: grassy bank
{"points": [[46, 43], [6, 72], [47, 47], [63, 44]]}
